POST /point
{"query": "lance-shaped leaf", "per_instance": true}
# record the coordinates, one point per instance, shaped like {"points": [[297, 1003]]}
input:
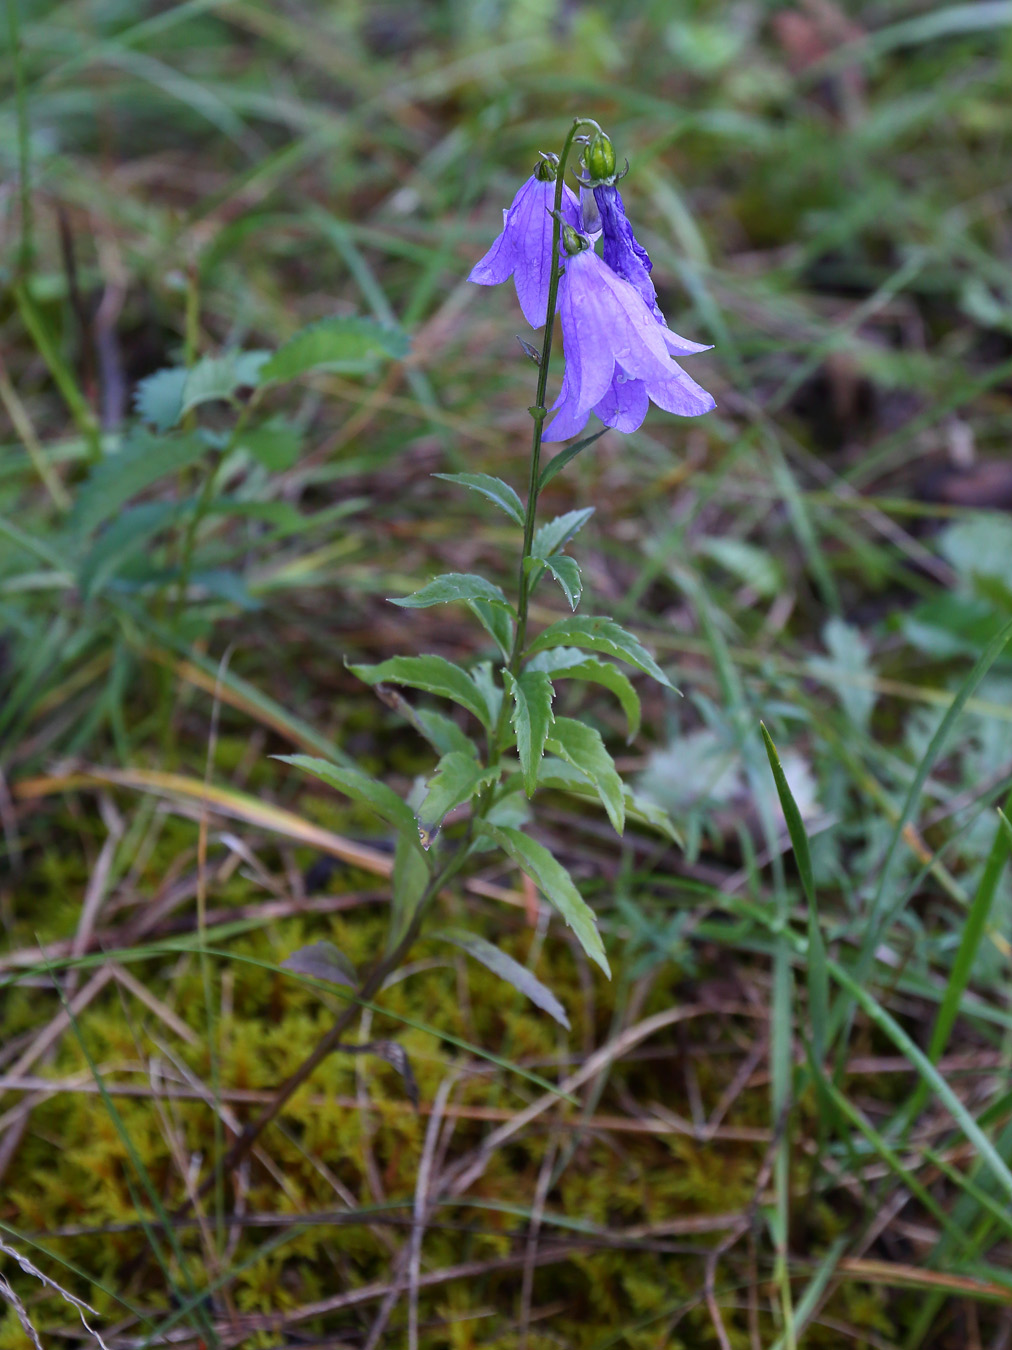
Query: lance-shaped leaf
{"points": [[507, 969], [600, 635], [442, 734], [566, 572], [551, 536], [568, 663], [493, 488], [434, 675], [457, 779], [322, 961], [560, 461], [532, 717], [555, 884], [455, 586], [582, 747], [360, 787]]}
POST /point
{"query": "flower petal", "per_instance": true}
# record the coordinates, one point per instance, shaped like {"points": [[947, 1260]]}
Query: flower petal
{"points": [[679, 346], [497, 264], [680, 394], [625, 404], [623, 252], [570, 418]]}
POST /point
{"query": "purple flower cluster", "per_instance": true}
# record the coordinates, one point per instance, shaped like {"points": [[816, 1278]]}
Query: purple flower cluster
{"points": [[618, 346]]}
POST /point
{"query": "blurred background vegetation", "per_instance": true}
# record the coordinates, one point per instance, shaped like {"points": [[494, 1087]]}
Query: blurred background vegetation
{"points": [[825, 192]]}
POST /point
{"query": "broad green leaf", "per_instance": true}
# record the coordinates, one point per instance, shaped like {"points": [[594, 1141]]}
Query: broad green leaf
{"points": [[600, 635], [322, 961], [218, 377], [348, 344], [493, 488], [496, 622], [455, 586], [159, 398], [457, 779], [496, 960], [582, 747], [434, 675], [360, 787], [276, 444], [410, 880], [141, 461], [569, 663], [555, 884], [532, 717], [566, 572], [551, 536], [564, 456]]}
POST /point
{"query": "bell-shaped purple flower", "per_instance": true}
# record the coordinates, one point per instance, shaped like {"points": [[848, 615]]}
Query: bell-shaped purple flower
{"points": [[623, 252], [524, 249], [618, 356]]}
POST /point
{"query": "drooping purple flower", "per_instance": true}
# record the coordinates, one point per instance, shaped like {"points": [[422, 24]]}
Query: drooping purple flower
{"points": [[623, 252], [618, 356], [524, 248]]}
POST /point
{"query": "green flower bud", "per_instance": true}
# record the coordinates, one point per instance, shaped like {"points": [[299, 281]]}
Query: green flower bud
{"points": [[573, 242], [546, 170], [600, 158]]}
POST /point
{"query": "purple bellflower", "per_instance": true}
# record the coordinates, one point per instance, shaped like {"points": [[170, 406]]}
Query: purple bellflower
{"points": [[623, 252], [618, 354], [523, 250]]}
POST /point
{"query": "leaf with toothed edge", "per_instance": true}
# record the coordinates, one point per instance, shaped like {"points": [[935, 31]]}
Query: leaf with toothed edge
{"points": [[554, 534], [434, 675], [600, 635], [457, 779], [555, 884], [582, 747], [453, 586], [560, 461], [360, 787], [532, 718], [568, 663], [494, 489]]}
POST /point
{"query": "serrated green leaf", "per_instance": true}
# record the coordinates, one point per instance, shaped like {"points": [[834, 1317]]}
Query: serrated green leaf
{"points": [[159, 398], [360, 787], [560, 461], [551, 536], [349, 344], [493, 488], [569, 663], [434, 675], [600, 635], [497, 961], [218, 377], [555, 884], [140, 462], [582, 747], [496, 622], [457, 779], [442, 733], [566, 572], [455, 586], [532, 718]]}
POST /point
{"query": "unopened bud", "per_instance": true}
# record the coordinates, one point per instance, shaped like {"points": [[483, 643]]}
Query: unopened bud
{"points": [[600, 158], [547, 168], [573, 242]]}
